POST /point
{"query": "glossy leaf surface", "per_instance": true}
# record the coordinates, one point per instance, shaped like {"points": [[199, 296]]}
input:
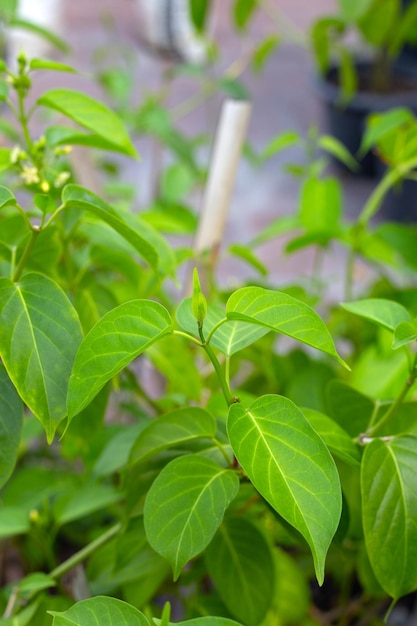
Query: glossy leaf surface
{"points": [[241, 564], [174, 428], [185, 507], [389, 507], [118, 338], [77, 197], [383, 312], [91, 114], [100, 610], [290, 466], [229, 338], [39, 336], [283, 314], [11, 419]]}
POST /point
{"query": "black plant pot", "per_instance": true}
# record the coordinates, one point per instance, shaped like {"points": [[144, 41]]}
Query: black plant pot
{"points": [[346, 122]]}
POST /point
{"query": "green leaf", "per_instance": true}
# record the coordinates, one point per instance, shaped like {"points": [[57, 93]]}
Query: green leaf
{"points": [[118, 338], [240, 562], [321, 207], [116, 453], [354, 9], [199, 13], [244, 253], [279, 143], [205, 621], [390, 512], [290, 466], [185, 507], [380, 124], [13, 521], [350, 408], [39, 336], [41, 31], [229, 338], [100, 610], [385, 313], [6, 197], [334, 147], [47, 64], [5, 162], [198, 301], [283, 314], [335, 438], [264, 51], [92, 115], [74, 196], [84, 501], [404, 334], [172, 429], [243, 11], [11, 420], [33, 583]]}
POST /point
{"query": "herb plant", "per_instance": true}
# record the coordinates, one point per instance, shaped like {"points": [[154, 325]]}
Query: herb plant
{"points": [[211, 496]]}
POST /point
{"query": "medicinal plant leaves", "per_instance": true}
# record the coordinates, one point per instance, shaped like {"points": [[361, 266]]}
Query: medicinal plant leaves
{"points": [[241, 564], [389, 507], [290, 466], [385, 313], [118, 338], [77, 197], [185, 507], [174, 428], [39, 336], [283, 314], [100, 610], [229, 338], [91, 114], [11, 419]]}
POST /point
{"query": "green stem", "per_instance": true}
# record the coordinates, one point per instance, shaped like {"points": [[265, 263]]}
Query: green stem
{"points": [[395, 405], [23, 120], [180, 333], [87, 551], [26, 253], [220, 375], [223, 451]]}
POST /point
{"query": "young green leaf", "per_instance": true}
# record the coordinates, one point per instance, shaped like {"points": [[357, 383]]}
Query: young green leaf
{"points": [[264, 51], [404, 334], [6, 197], [198, 302], [241, 564], [91, 114], [100, 610], [283, 314], [243, 11], [385, 313], [290, 466], [185, 507], [76, 197], [390, 512], [118, 338], [47, 64], [175, 428], [11, 419], [39, 336], [229, 337]]}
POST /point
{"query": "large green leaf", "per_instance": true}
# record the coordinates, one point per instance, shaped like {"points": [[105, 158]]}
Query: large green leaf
{"points": [[390, 512], [283, 314], [100, 610], [291, 467], [385, 313], [118, 338], [229, 338], [174, 428], [91, 114], [240, 562], [11, 419], [185, 507], [39, 336], [77, 197], [333, 435]]}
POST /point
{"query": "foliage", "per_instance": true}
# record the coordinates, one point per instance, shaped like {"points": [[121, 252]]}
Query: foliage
{"points": [[279, 455]]}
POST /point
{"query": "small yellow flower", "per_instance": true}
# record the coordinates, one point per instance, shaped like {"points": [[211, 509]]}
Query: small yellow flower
{"points": [[45, 186], [61, 179], [30, 175]]}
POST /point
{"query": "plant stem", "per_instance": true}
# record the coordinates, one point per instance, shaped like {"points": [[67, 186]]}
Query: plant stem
{"points": [[83, 554], [26, 253], [394, 406], [223, 451], [180, 333], [220, 375], [23, 120], [215, 327]]}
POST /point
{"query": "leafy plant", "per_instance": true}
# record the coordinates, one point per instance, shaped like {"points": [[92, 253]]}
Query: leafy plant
{"points": [[261, 473]]}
